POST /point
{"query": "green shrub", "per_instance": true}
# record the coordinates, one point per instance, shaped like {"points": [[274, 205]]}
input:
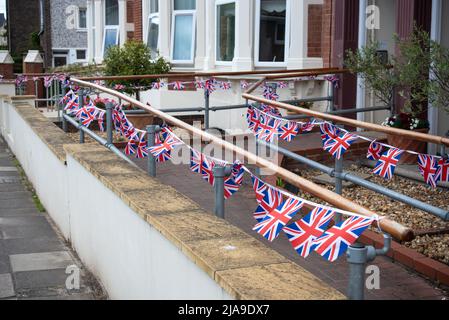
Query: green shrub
{"points": [[134, 58]]}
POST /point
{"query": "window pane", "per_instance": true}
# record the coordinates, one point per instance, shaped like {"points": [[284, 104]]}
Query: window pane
{"points": [[60, 61], [153, 35], [272, 30], [82, 18], [185, 4], [80, 54], [226, 32], [110, 39], [183, 37], [112, 12], [154, 6]]}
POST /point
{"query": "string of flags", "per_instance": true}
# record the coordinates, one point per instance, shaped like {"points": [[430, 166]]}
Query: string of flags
{"points": [[267, 124], [275, 207]]}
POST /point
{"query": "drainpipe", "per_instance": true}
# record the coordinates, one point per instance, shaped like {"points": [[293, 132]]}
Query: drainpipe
{"points": [[361, 92]]}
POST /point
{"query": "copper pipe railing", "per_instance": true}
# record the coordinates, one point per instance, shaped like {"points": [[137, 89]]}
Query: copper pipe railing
{"points": [[214, 74], [397, 230], [351, 122]]}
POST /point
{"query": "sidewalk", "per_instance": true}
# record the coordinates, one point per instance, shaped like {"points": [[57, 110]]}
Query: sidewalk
{"points": [[33, 258], [396, 282]]}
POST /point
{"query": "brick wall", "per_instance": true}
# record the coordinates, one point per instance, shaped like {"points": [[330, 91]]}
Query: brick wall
{"points": [[315, 24], [327, 33], [134, 15]]}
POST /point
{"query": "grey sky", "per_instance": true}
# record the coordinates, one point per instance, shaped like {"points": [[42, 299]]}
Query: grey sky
{"points": [[3, 6]]}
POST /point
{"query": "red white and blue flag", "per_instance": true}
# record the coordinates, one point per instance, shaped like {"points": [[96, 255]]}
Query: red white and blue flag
{"points": [[270, 94], [375, 151], [157, 85], [275, 221], [340, 144], [387, 163], [268, 198], [335, 241], [159, 138], [131, 147], [178, 85], [73, 104], [328, 131], [289, 131], [209, 85], [200, 163], [282, 85], [244, 84], [428, 166], [301, 234], [306, 127], [166, 146], [142, 147], [225, 85], [443, 170], [86, 115]]}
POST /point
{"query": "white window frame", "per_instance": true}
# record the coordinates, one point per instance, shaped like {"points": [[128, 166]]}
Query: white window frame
{"points": [[76, 57], [176, 13], [106, 28], [259, 63], [79, 20], [217, 4], [151, 16], [109, 27], [60, 55]]}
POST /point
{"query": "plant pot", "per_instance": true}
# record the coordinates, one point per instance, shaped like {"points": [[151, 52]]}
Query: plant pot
{"points": [[140, 121], [408, 144]]}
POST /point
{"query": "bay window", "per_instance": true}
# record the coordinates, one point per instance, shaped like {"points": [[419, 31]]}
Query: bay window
{"points": [[225, 29], [183, 31], [153, 28], [111, 28], [272, 33]]}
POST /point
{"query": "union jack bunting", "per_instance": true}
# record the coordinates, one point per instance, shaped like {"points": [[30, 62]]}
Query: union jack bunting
{"points": [[250, 118], [305, 127], [159, 138], [178, 85], [68, 96], [274, 222], [238, 172], [166, 146], [259, 187], [73, 104], [233, 183], [87, 115], [387, 163], [209, 85], [289, 131], [256, 122], [443, 170], [200, 163], [340, 144], [301, 234], [272, 111], [142, 147], [100, 119], [282, 85], [270, 94], [244, 84], [47, 81], [334, 80], [131, 147], [199, 84], [157, 85], [428, 166], [268, 199], [328, 131], [269, 128], [335, 241], [375, 151], [225, 85]]}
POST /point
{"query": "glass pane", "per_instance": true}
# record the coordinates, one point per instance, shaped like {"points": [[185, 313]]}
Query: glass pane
{"points": [[183, 37], [226, 32], [153, 35], [112, 12], [154, 6], [82, 18], [272, 30], [110, 39], [80, 54], [185, 4], [60, 61]]}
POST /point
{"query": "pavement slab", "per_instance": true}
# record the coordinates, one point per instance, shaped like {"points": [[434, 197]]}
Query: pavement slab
{"points": [[40, 261], [6, 286]]}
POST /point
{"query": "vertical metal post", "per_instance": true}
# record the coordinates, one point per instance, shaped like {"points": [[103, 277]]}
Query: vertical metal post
{"points": [[46, 96], [64, 121], [36, 92], [332, 97], [151, 133], [338, 169], [109, 107], [442, 150], [219, 175], [206, 109], [357, 257], [81, 103]]}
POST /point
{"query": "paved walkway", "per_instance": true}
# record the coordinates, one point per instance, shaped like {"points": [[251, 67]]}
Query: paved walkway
{"points": [[396, 282], [33, 258]]}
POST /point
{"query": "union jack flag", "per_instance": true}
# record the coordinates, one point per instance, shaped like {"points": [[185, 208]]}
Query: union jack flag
{"points": [[271, 110], [200, 163], [178, 85], [238, 172], [270, 94], [340, 144], [289, 131], [159, 138], [387, 163], [100, 119], [268, 199], [199, 84], [328, 131], [131, 147], [225, 85], [375, 151], [244, 84], [428, 166], [335, 241], [250, 118], [282, 85], [268, 128], [259, 187], [301, 234], [142, 147], [256, 122], [272, 224], [209, 85], [68, 96], [157, 85], [73, 104], [47, 81], [230, 187], [166, 146], [443, 170], [334, 80], [86, 115], [306, 127]]}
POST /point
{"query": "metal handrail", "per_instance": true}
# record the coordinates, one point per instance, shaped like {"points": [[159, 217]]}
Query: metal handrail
{"points": [[397, 230]]}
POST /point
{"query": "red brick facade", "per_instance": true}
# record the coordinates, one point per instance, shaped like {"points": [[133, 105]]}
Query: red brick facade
{"points": [[314, 30], [134, 15], [327, 33]]}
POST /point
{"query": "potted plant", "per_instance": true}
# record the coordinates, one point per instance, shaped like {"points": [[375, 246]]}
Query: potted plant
{"points": [[134, 58], [405, 76]]}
